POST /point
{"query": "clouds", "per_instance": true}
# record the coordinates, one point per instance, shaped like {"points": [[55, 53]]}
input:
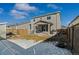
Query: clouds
{"points": [[1, 10], [17, 14], [21, 10], [53, 6], [25, 7], [25, 10]]}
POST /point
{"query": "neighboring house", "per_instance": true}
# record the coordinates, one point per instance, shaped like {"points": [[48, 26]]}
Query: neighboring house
{"points": [[73, 35], [48, 24], [19, 26], [15, 27], [63, 27]]}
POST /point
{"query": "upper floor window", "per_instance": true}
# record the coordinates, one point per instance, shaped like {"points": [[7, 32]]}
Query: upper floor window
{"points": [[34, 20], [30, 26], [48, 18]]}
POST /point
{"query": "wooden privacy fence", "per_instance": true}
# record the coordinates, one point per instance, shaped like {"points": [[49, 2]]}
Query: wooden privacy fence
{"points": [[73, 38], [21, 32]]}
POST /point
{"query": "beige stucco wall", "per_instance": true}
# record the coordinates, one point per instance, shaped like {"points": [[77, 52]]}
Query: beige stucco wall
{"points": [[55, 21]]}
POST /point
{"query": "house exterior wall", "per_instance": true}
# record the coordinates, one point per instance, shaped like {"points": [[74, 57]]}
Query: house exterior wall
{"points": [[55, 20]]}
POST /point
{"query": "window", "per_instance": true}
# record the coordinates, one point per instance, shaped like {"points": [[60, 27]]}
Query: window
{"points": [[34, 20], [48, 17], [30, 26]]}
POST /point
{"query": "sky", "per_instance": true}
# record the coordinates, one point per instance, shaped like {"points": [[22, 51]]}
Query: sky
{"points": [[24, 12]]}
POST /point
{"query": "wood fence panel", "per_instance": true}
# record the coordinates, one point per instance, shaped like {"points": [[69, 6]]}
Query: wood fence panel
{"points": [[76, 40], [21, 32], [73, 38]]}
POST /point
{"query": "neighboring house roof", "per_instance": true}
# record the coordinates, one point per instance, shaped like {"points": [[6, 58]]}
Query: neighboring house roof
{"points": [[23, 23], [47, 14], [73, 20], [18, 24], [63, 27], [4, 23]]}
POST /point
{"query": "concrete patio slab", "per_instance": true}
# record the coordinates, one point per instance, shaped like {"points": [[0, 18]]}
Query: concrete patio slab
{"points": [[43, 48], [22, 42]]}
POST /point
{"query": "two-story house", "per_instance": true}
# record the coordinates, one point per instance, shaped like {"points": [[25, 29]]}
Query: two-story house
{"points": [[48, 23]]}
